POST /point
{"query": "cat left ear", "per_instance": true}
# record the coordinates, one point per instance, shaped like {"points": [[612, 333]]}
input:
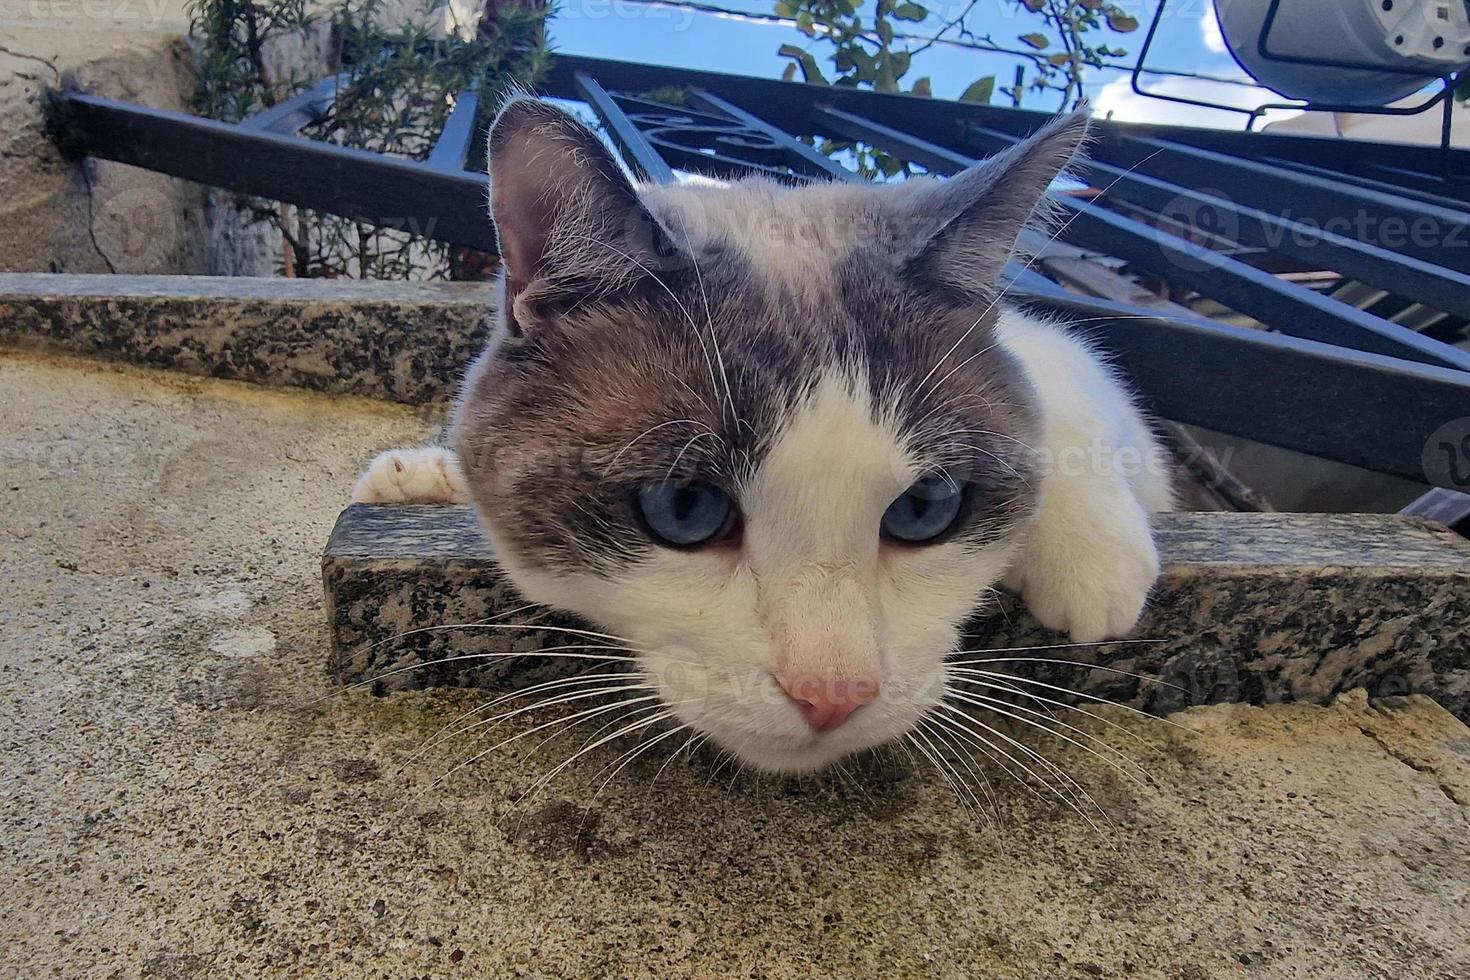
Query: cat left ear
{"points": [[969, 223], [568, 222]]}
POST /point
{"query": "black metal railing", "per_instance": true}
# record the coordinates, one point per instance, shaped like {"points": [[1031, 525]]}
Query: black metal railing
{"points": [[1223, 215]]}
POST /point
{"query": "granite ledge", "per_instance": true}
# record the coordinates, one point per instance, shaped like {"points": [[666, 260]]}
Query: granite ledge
{"points": [[1256, 608], [405, 342]]}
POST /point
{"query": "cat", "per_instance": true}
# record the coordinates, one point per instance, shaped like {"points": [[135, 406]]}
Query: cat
{"points": [[786, 439]]}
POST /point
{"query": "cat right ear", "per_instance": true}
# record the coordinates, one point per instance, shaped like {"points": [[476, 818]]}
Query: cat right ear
{"points": [[968, 224], [567, 220]]}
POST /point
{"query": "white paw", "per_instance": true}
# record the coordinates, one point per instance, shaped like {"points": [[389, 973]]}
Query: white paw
{"points": [[430, 475], [1090, 579]]}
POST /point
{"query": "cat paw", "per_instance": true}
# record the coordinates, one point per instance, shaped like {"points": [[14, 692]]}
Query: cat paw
{"points": [[430, 475], [1092, 585]]}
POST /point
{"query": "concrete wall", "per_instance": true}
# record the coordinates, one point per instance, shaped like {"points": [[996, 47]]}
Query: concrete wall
{"points": [[95, 216]]}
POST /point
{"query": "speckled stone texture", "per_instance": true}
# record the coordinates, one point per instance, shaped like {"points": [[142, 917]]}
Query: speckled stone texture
{"points": [[1252, 607], [405, 342]]}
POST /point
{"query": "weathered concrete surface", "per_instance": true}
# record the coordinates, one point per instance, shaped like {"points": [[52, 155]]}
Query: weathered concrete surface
{"points": [[97, 216], [172, 811]]}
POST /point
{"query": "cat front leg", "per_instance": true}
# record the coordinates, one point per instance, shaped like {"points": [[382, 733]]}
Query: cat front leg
{"points": [[1089, 561], [426, 475]]}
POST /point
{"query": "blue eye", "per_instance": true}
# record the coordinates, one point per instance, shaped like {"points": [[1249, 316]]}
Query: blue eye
{"points": [[925, 511], [686, 514]]}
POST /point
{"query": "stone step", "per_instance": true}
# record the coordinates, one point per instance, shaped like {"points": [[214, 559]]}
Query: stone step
{"points": [[405, 342], [1255, 608]]}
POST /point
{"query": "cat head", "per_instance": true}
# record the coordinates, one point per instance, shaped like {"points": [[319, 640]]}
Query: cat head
{"points": [[764, 432]]}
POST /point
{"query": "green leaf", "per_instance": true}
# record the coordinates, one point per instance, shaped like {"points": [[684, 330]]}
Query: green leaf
{"points": [[910, 11], [980, 90], [789, 72], [922, 87], [811, 73], [1038, 41], [784, 8]]}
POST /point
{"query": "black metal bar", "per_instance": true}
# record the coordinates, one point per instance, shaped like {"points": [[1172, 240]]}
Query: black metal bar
{"points": [[1446, 506], [1431, 233], [1283, 305], [1022, 279], [287, 118], [1363, 409], [1343, 156], [1391, 180], [784, 104], [453, 146], [381, 190], [638, 153], [1430, 284], [800, 157]]}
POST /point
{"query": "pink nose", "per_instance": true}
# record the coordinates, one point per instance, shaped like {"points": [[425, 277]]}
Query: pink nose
{"points": [[827, 702]]}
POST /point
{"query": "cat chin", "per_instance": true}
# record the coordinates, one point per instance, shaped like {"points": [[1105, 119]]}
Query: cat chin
{"points": [[797, 756]]}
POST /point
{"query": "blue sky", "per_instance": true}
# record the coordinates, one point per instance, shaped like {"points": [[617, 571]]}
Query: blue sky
{"points": [[1188, 40]]}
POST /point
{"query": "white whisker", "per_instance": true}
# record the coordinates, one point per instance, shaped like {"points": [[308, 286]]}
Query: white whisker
{"points": [[552, 702], [1053, 702], [990, 750], [967, 759], [561, 766], [578, 718], [654, 428], [1002, 708], [579, 680], [1027, 751], [1015, 679], [958, 785], [624, 760]]}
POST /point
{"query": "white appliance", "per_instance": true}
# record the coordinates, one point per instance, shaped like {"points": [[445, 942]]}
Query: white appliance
{"points": [[1419, 40]]}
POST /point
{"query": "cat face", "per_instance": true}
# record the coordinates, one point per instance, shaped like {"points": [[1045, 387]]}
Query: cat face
{"points": [[763, 432]]}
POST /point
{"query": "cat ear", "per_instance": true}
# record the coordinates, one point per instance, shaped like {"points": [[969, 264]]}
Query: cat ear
{"points": [[968, 224], [568, 221]]}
